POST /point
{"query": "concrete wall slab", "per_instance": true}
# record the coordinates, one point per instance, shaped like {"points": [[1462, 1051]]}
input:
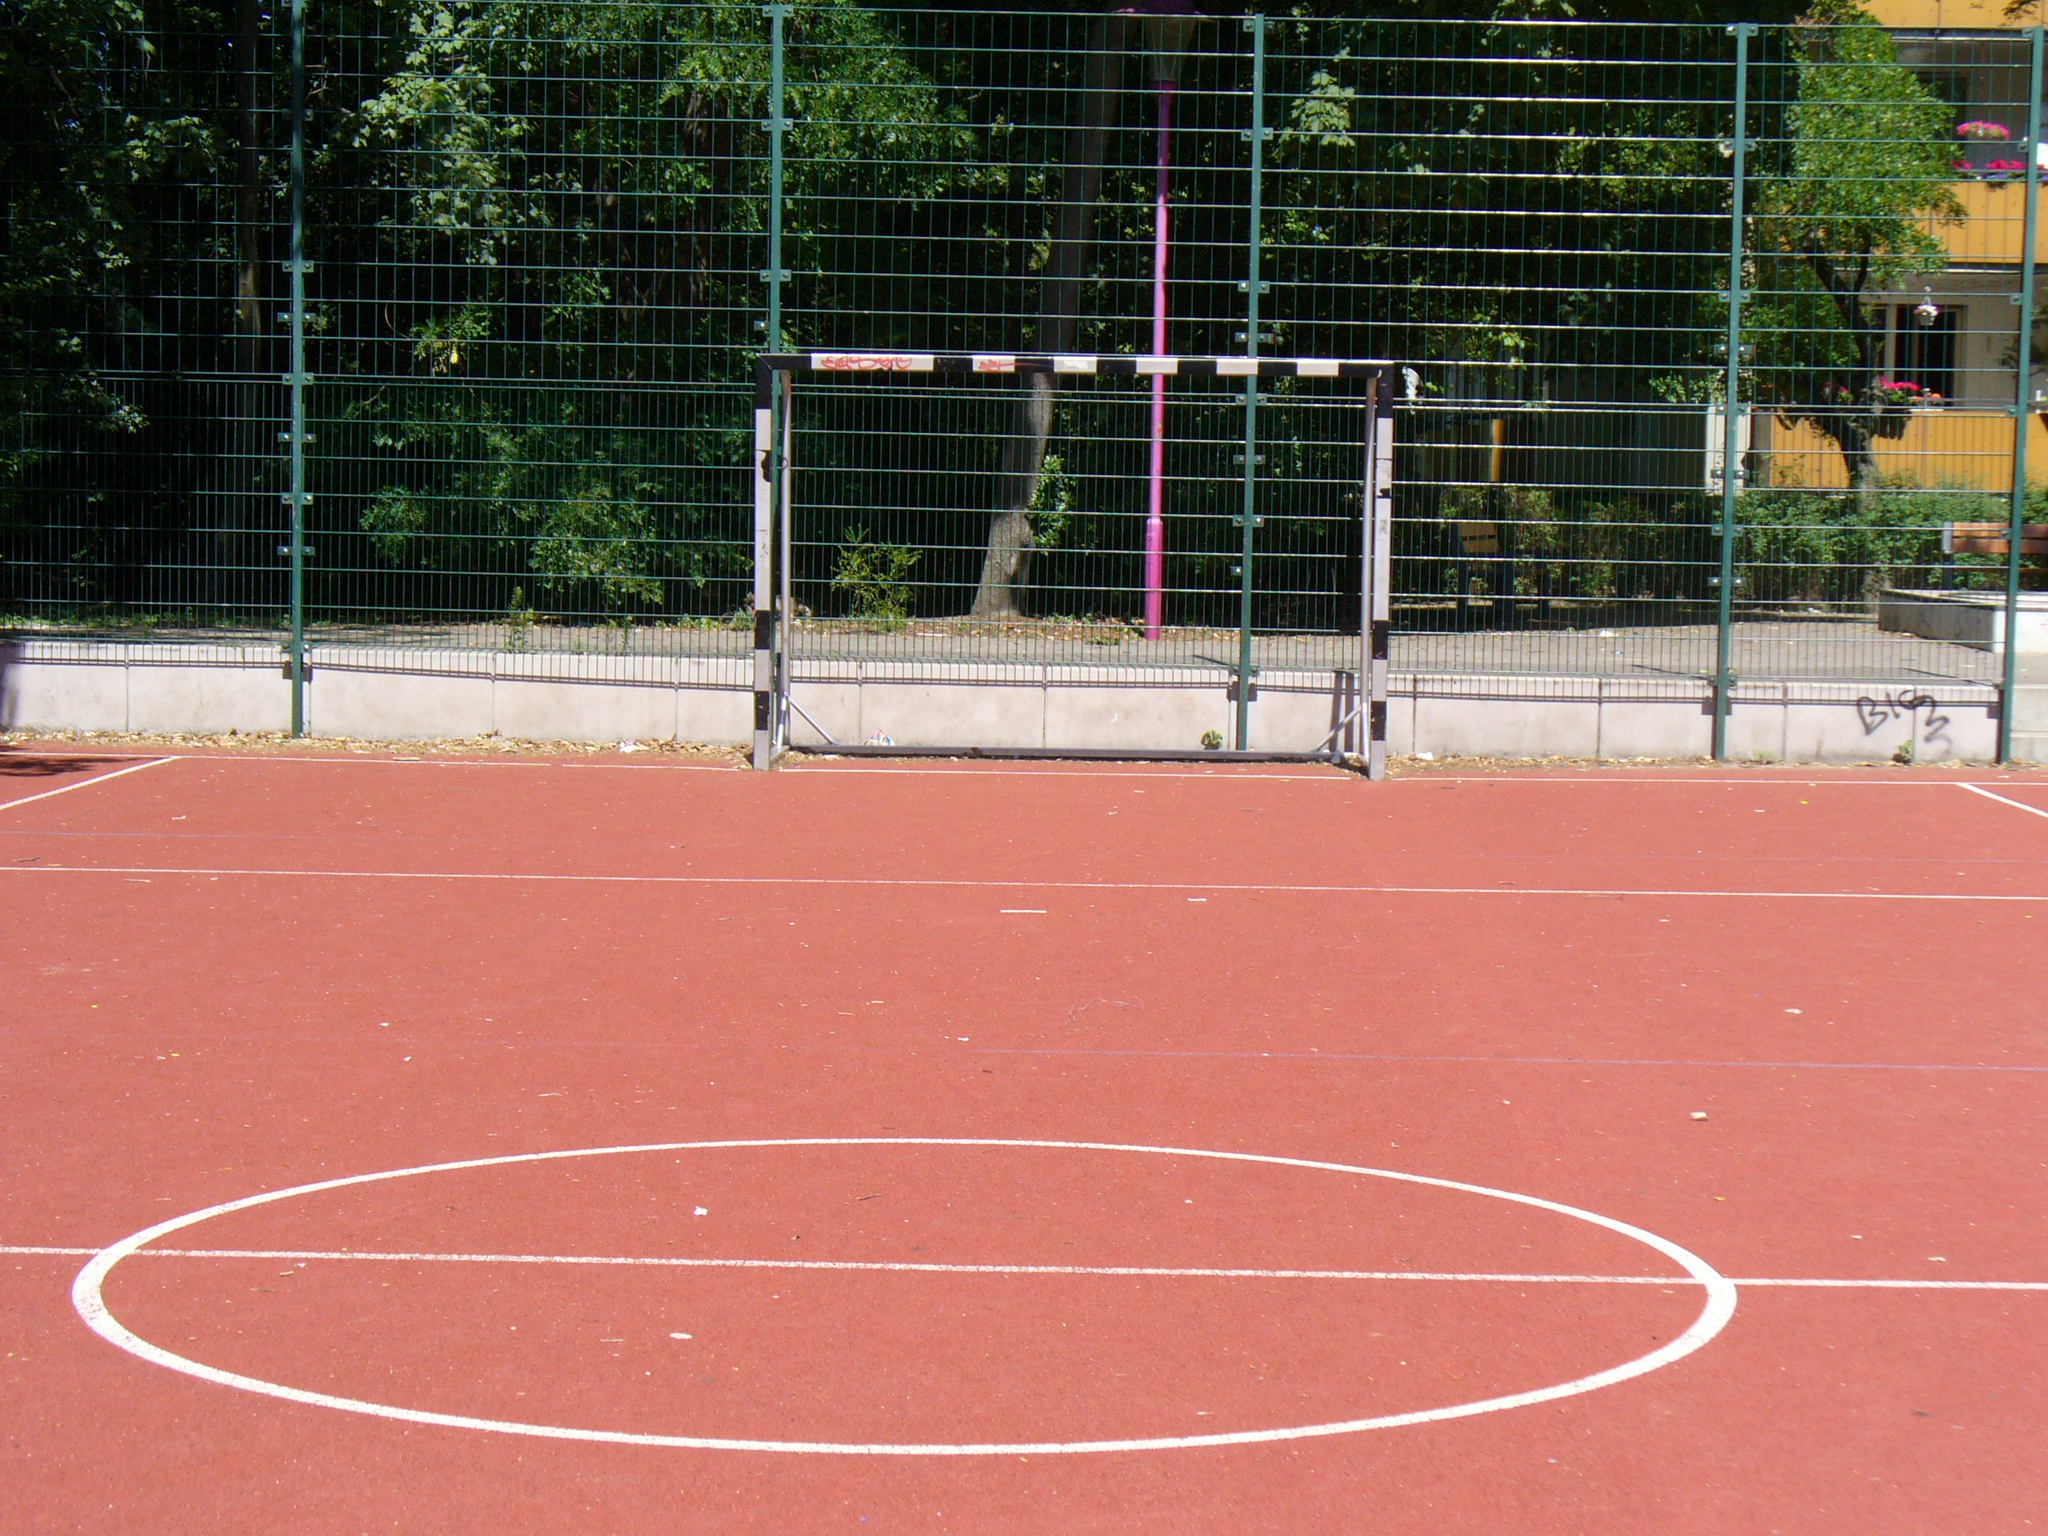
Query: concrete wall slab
{"points": [[196, 690], [1634, 727], [835, 703], [1295, 720], [543, 711], [397, 706], [53, 696], [953, 714], [1511, 727], [1138, 717], [209, 701], [1850, 725], [1756, 723], [716, 716]]}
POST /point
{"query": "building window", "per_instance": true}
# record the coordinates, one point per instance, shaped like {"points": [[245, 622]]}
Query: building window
{"points": [[1949, 85], [1925, 354]]}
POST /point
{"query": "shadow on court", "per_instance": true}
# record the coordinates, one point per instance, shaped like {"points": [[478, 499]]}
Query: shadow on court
{"points": [[16, 763]]}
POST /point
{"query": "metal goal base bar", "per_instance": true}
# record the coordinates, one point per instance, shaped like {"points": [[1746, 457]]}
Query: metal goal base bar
{"points": [[1072, 754]]}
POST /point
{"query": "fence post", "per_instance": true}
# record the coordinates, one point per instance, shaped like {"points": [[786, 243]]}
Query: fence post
{"points": [[1731, 405], [1248, 518], [773, 274], [2024, 365], [297, 382]]}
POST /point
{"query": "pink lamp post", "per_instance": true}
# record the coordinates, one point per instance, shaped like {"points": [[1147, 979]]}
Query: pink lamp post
{"points": [[1169, 28]]}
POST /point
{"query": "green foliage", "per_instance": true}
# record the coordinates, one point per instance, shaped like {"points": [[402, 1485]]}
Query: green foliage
{"points": [[1831, 548], [90, 135], [518, 622], [1053, 503], [539, 227], [1845, 214], [594, 536], [587, 184], [579, 169], [873, 577]]}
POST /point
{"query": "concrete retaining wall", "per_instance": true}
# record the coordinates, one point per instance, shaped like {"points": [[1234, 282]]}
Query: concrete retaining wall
{"points": [[1975, 619], [385, 696]]}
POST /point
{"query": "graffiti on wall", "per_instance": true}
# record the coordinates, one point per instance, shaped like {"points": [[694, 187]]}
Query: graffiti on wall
{"points": [[1919, 710]]}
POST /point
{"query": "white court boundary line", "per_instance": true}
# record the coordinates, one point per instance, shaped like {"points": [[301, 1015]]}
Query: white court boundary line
{"points": [[941, 883], [98, 778], [87, 1298], [1398, 774], [1227, 773], [1121, 1271], [2018, 805]]}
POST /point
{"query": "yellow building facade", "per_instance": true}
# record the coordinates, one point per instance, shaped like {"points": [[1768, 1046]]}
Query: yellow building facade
{"points": [[1964, 50]]}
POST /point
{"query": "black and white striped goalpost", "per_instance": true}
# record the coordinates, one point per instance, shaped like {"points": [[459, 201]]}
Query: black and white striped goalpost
{"points": [[1375, 607], [774, 371]]}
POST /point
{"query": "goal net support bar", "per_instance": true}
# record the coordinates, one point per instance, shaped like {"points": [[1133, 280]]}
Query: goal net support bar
{"points": [[773, 607]]}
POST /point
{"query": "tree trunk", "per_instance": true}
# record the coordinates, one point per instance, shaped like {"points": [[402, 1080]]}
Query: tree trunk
{"points": [[1005, 564], [1857, 456], [1856, 423]]}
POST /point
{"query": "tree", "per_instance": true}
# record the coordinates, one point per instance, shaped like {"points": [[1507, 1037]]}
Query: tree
{"points": [[573, 204], [1005, 567], [130, 283], [1845, 214], [77, 217]]}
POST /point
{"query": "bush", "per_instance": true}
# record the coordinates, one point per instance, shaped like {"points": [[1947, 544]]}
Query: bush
{"points": [[872, 576], [1838, 547]]}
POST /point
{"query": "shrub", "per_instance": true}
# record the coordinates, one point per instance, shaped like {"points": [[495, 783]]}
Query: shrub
{"points": [[872, 575]]}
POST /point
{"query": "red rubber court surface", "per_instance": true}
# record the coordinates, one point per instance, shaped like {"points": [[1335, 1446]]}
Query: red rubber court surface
{"points": [[615, 1145]]}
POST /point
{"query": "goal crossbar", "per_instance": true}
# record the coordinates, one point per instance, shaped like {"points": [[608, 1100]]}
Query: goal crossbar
{"points": [[1103, 364], [773, 372]]}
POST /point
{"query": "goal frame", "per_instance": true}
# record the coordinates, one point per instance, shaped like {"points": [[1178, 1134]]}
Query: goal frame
{"points": [[774, 377]]}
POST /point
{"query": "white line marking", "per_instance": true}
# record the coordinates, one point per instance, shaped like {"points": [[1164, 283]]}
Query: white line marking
{"points": [[914, 882], [454, 762], [1013, 770], [2018, 805], [1114, 1271], [1238, 773], [1649, 779], [1908, 1285], [98, 778], [87, 1298]]}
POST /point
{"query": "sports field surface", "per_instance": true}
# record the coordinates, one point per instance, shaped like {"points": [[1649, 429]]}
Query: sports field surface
{"points": [[625, 1144]]}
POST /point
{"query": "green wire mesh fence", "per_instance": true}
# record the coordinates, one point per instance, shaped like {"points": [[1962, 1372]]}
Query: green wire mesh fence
{"points": [[548, 239]]}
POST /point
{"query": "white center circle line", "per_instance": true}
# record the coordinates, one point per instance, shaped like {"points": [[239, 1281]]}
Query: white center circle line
{"points": [[87, 1296]]}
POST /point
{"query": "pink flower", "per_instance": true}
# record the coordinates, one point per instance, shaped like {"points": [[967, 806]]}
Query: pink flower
{"points": [[1982, 131]]}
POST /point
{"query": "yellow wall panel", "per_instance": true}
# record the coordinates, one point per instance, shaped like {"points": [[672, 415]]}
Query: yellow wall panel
{"points": [[1940, 449]]}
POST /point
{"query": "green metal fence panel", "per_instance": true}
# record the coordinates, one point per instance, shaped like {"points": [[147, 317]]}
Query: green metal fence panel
{"points": [[1887, 195], [540, 246], [1018, 207], [1533, 219], [546, 240], [138, 484]]}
